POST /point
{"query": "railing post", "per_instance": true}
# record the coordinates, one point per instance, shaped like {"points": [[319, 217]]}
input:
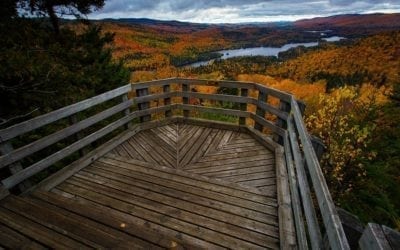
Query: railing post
{"points": [[143, 105], [243, 106], [185, 100], [167, 101], [262, 97], [126, 111], [74, 119], [285, 107], [15, 167]]}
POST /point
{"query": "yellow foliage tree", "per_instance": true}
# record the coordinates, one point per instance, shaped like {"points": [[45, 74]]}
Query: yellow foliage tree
{"points": [[345, 121]]}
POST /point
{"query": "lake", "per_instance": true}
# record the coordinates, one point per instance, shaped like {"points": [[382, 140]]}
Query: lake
{"points": [[262, 51]]}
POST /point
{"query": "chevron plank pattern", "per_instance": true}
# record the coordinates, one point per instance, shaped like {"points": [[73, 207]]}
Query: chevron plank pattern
{"points": [[222, 154], [172, 187]]}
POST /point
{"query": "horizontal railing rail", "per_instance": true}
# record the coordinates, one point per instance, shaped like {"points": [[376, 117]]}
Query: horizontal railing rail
{"points": [[267, 110]]}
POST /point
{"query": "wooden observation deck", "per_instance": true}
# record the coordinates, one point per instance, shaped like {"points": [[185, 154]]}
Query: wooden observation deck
{"points": [[149, 166]]}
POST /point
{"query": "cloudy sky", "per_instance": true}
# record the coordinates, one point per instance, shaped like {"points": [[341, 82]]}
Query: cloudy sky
{"points": [[234, 11]]}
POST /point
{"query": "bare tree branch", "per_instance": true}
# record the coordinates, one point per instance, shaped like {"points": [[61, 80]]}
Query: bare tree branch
{"points": [[4, 121]]}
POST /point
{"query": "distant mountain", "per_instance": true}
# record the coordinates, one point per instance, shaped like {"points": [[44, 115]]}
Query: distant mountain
{"points": [[354, 21]]}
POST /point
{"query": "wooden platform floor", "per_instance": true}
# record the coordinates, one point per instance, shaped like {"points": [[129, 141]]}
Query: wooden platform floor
{"points": [[176, 186]]}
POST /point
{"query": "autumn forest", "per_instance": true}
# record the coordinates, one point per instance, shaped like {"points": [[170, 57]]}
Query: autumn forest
{"points": [[351, 87]]}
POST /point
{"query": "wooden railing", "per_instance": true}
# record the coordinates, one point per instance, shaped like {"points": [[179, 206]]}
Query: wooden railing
{"points": [[268, 110]]}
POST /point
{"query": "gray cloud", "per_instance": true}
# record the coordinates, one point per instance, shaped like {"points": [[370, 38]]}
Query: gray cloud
{"points": [[214, 11]]}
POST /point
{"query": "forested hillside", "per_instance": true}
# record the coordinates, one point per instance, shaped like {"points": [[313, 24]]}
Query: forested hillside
{"points": [[351, 88]]}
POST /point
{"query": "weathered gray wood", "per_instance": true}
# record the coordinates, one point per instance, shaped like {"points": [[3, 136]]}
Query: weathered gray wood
{"points": [[274, 92], [153, 97], [297, 211], [46, 141], [37, 122], [243, 106], [167, 100], [262, 138], [144, 104], [374, 238], [48, 161], [5, 149], [92, 156], [217, 83], [287, 233], [77, 136], [161, 82], [309, 211], [217, 97], [3, 192], [263, 107], [262, 97], [185, 100], [267, 124], [352, 227], [333, 226], [221, 111], [285, 107], [392, 236], [126, 111], [318, 146]]}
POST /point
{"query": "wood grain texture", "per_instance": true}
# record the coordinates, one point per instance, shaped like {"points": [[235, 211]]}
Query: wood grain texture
{"points": [[222, 154], [170, 185]]}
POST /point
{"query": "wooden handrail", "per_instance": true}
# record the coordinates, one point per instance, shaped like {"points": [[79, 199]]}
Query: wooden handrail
{"points": [[290, 131]]}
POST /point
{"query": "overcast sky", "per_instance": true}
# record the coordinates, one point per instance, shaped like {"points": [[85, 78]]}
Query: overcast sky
{"points": [[234, 11]]}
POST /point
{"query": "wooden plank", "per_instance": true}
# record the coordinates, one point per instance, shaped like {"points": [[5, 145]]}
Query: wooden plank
{"points": [[38, 232], [5, 149], [73, 226], [282, 123], [114, 219], [3, 192], [189, 154], [260, 111], [217, 97], [336, 235], [220, 221], [229, 161], [267, 124], [143, 105], [305, 193], [77, 165], [11, 239], [243, 106], [162, 82], [167, 99], [259, 182], [48, 161], [262, 138], [234, 148], [217, 83], [249, 194], [184, 192], [236, 169], [46, 141], [296, 205], [234, 155], [210, 124], [153, 97], [374, 238], [287, 234], [156, 213], [274, 92], [37, 122], [263, 107], [249, 174], [185, 100], [220, 111]]}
